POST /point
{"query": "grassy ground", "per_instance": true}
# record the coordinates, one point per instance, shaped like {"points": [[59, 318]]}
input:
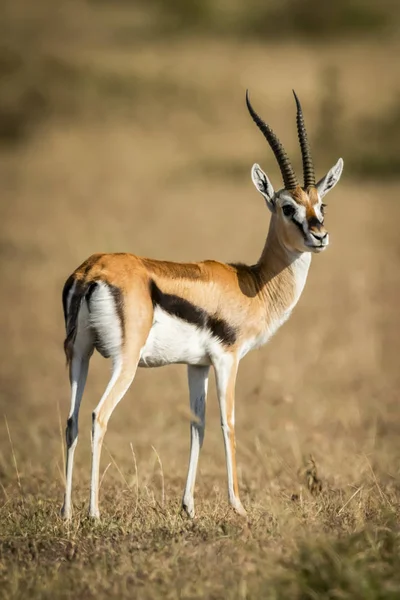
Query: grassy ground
{"points": [[318, 417]]}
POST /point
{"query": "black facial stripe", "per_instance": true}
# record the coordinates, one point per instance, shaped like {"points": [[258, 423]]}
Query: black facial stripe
{"points": [[314, 222], [185, 310], [299, 225]]}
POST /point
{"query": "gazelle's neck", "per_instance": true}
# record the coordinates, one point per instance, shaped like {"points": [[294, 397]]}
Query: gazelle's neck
{"points": [[283, 272], [280, 276]]}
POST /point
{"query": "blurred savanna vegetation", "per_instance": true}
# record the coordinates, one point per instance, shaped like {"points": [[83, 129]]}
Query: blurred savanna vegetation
{"points": [[51, 62], [123, 128]]}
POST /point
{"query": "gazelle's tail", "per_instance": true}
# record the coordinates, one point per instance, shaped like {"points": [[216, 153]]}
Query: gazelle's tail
{"points": [[74, 293]]}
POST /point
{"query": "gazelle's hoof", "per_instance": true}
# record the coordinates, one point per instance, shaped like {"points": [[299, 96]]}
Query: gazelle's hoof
{"points": [[238, 508], [188, 507], [66, 513]]}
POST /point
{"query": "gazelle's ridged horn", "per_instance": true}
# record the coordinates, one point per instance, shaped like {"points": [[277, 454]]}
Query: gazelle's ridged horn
{"points": [[288, 174], [308, 165]]}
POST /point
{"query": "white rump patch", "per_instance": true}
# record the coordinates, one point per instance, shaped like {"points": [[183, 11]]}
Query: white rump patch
{"points": [[105, 322]]}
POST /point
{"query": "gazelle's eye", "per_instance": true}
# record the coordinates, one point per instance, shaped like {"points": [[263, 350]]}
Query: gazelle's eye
{"points": [[322, 209], [288, 210]]}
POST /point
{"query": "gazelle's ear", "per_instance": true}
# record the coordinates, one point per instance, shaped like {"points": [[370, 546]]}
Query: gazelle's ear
{"points": [[264, 186], [327, 183]]}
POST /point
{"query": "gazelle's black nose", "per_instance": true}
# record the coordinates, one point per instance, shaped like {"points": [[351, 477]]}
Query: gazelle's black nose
{"points": [[319, 235]]}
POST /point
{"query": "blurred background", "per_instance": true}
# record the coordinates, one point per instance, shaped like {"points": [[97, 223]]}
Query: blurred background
{"points": [[123, 127]]}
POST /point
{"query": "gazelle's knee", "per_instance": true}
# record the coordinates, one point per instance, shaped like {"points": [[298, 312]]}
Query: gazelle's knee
{"points": [[227, 429], [198, 430], [71, 432], [99, 426]]}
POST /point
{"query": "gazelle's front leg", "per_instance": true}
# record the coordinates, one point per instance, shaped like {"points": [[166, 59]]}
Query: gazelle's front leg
{"points": [[225, 374], [198, 383]]}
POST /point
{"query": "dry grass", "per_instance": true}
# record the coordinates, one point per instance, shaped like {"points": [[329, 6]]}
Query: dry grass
{"points": [[318, 417]]}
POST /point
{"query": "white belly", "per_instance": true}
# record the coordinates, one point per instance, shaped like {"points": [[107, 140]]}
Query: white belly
{"points": [[172, 340]]}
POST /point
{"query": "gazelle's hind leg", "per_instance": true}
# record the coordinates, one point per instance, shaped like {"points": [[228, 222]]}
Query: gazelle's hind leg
{"points": [[198, 383], [123, 341], [123, 373], [78, 370]]}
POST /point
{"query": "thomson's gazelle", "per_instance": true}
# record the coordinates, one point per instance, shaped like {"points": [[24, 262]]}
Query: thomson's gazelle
{"points": [[148, 313]]}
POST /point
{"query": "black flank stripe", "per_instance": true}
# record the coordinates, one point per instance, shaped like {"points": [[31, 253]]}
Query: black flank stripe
{"points": [[185, 310], [222, 330]]}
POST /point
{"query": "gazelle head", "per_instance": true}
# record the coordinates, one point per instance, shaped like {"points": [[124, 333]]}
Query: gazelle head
{"points": [[298, 210]]}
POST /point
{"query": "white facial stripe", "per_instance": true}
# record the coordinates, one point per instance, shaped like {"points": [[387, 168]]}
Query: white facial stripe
{"points": [[318, 212], [286, 200], [300, 212]]}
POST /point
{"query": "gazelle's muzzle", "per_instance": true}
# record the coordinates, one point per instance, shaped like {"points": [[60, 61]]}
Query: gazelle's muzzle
{"points": [[317, 239], [318, 235]]}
